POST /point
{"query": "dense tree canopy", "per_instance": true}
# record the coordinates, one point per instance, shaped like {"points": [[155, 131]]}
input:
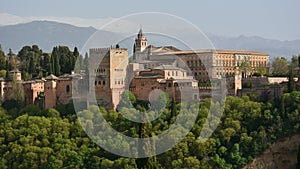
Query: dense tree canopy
{"points": [[34, 63], [279, 67], [34, 138]]}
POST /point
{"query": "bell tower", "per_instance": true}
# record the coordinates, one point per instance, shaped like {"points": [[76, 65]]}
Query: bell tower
{"points": [[139, 46], [140, 42]]}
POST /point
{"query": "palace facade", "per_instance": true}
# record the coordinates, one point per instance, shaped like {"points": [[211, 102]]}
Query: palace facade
{"points": [[183, 74]]}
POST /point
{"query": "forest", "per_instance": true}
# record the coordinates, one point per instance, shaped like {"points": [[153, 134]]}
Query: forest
{"points": [[34, 63], [54, 138]]}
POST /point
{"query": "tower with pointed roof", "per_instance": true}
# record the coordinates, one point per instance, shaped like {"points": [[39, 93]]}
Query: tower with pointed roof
{"points": [[139, 46]]}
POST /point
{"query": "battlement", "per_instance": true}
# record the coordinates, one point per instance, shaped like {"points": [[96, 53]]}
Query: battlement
{"points": [[96, 50]]}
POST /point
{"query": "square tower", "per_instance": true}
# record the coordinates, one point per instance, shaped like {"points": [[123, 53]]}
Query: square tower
{"points": [[110, 73]]}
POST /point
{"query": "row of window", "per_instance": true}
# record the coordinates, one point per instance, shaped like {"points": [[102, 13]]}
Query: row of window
{"points": [[175, 73], [142, 43], [224, 62], [223, 73], [118, 70], [198, 63], [100, 70], [177, 88], [225, 69], [200, 73], [119, 82], [255, 63], [150, 65], [100, 82]]}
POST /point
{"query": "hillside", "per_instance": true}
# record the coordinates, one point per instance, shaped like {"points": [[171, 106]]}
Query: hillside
{"points": [[48, 34], [45, 34], [275, 48], [282, 154]]}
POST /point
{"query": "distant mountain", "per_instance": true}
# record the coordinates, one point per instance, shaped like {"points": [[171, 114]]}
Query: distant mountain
{"points": [[275, 48], [47, 34]]}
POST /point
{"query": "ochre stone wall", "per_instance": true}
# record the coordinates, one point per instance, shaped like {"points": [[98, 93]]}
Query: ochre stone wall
{"points": [[110, 75], [64, 90], [32, 90], [50, 94]]}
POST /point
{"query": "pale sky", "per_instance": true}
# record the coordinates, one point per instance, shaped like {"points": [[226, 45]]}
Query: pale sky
{"points": [[275, 19]]}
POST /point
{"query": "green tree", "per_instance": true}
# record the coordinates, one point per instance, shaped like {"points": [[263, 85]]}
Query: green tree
{"points": [[31, 59], [3, 73], [52, 113], [66, 59], [245, 68], [298, 157], [291, 82], [279, 67], [10, 53], [31, 67], [160, 102], [17, 92], [144, 149], [127, 100], [55, 61], [261, 70], [46, 65], [2, 60]]}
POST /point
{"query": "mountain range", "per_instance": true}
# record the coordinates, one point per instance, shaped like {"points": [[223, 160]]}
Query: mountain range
{"points": [[47, 34]]}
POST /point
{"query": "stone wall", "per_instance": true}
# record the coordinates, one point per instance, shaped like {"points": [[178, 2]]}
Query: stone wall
{"points": [[110, 74], [50, 94], [32, 89]]}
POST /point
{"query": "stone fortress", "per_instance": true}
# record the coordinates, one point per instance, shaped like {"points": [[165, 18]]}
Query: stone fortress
{"points": [[183, 74]]}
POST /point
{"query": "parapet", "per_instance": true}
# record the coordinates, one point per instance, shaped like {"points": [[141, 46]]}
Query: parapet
{"points": [[96, 50]]}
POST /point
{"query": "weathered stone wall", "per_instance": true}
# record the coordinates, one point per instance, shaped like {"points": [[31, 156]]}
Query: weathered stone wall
{"points": [[110, 75], [50, 94], [31, 90]]}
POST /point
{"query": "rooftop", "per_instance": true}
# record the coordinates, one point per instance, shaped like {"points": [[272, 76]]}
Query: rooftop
{"points": [[217, 51], [167, 67], [51, 77]]}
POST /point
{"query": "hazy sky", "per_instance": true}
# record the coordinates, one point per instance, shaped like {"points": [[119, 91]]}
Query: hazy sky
{"points": [[276, 19]]}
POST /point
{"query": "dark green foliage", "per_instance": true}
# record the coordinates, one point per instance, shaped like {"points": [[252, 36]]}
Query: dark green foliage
{"points": [[54, 138], [10, 104], [144, 149], [127, 100], [2, 60], [35, 64], [247, 85], [66, 109], [279, 67], [298, 157], [245, 68], [291, 75], [31, 110]]}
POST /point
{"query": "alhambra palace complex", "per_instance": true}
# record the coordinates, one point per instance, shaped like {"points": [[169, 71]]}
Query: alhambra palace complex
{"points": [[180, 73]]}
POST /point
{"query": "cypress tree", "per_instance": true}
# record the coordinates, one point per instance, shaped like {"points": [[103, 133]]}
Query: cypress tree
{"points": [[55, 61], [298, 157], [145, 147]]}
